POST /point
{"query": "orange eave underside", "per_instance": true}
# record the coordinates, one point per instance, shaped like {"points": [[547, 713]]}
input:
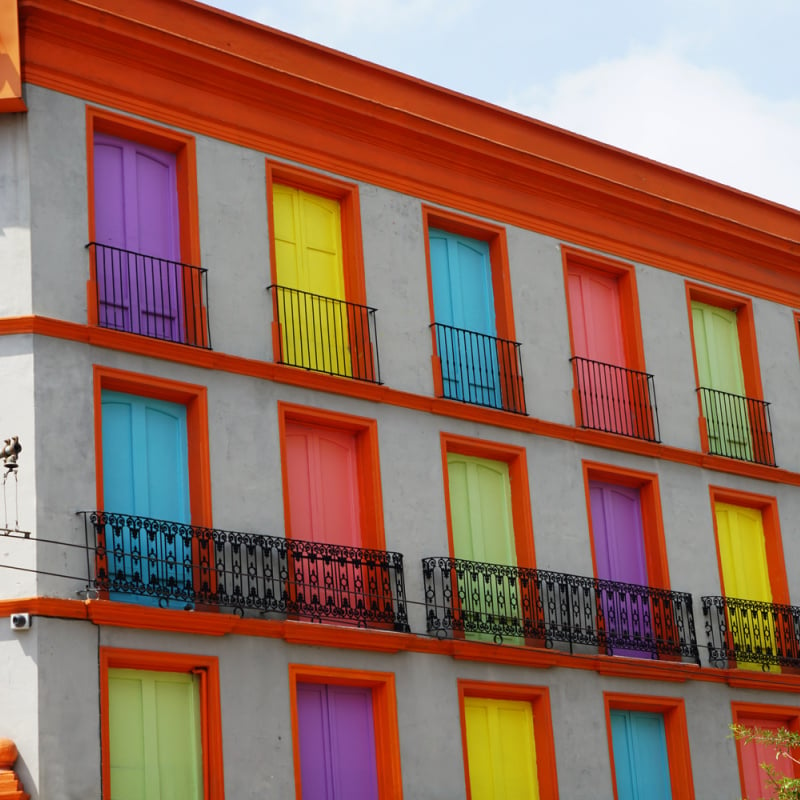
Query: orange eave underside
{"points": [[173, 61]]}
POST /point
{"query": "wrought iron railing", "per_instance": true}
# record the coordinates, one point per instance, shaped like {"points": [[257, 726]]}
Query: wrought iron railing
{"points": [[616, 399], [737, 426], [751, 632], [151, 296], [505, 602], [326, 335], [169, 561], [480, 369]]}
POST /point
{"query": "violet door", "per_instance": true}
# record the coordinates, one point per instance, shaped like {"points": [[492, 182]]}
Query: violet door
{"points": [[139, 278], [336, 737], [620, 557]]}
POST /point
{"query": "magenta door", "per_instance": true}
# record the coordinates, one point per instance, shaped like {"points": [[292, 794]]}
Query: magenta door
{"points": [[336, 736], [139, 280], [620, 556]]}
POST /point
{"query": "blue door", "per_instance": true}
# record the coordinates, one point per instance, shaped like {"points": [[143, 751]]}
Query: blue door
{"points": [[146, 474], [641, 764], [463, 307]]}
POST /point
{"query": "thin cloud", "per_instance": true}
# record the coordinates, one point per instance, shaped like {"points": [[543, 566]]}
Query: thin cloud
{"points": [[701, 120]]}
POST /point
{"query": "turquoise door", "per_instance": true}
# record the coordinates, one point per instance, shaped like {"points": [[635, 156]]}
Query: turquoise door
{"points": [[146, 474], [641, 764], [463, 307]]}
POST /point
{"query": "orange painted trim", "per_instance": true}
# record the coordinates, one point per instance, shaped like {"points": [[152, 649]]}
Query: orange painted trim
{"points": [[10, 63], [384, 712], [787, 716], [347, 196], [625, 275], [539, 699], [194, 397], [678, 754], [369, 470], [207, 667], [652, 517], [317, 381], [768, 506], [516, 458]]}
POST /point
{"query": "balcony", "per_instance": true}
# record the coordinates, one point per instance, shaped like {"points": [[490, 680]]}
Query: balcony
{"points": [[168, 563], [151, 296], [737, 427], [616, 399], [325, 335], [480, 369], [751, 633], [498, 602]]}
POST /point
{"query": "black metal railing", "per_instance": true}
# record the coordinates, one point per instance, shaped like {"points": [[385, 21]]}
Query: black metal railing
{"points": [[616, 399], [505, 602], [737, 426], [326, 335], [751, 632], [164, 561], [480, 369], [151, 296]]}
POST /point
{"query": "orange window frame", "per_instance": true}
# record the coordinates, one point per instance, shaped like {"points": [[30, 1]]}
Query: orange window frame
{"points": [[207, 670], [748, 350], [652, 517], [384, 712], [773, 541], [195, 399], [368, 465], [539, 699], [673, 711], [495, 237], [516, 458], [787, 716], [183, 145]]}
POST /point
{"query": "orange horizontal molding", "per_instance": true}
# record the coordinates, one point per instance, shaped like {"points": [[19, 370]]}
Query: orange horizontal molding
{"points": [[10, 65], [332, 384], [312, 634], [333, 112]]}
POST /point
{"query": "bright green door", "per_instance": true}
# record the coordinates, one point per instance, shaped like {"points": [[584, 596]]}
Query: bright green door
{"points": [[719, 367], [308, 260], [501, 750], [154, 735], [483, 530]]}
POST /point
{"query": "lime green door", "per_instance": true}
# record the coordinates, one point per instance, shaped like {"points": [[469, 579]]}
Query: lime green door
{"points": [[745, 572], [154, 735], [501, 749], [483, 530], [308, 256], [719, 367]]}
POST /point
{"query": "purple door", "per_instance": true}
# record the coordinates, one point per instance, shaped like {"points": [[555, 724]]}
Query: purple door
{"points": [[336, 734], [137, 234], [620, 556]]}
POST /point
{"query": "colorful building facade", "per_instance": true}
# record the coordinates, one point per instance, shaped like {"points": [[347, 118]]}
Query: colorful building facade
{"points": [[377, 442]]}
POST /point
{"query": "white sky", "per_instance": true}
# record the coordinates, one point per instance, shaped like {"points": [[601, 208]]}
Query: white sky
{"points": [[709, 86]]}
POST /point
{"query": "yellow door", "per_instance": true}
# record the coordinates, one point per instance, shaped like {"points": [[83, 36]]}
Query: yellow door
{"points": [[308, 256], [745, 573], [501, 749]]}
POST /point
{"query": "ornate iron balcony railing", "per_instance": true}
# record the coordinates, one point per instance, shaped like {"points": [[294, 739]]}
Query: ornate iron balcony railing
{"points": [[157, 560], [737, 427], [505, 602], [326, 335], [151, 296], [751, 632], [480, 369], [616, 399]]}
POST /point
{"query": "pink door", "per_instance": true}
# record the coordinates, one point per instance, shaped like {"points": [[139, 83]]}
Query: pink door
{"points": [[753, 754], [596, 318]]}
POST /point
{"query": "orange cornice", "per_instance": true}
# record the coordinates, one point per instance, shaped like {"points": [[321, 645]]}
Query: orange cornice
{"points": [[125, 615], [332, 111], [291, 376]]}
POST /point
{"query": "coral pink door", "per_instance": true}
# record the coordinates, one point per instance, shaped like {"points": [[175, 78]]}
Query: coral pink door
{"points": [[752, 754]]}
